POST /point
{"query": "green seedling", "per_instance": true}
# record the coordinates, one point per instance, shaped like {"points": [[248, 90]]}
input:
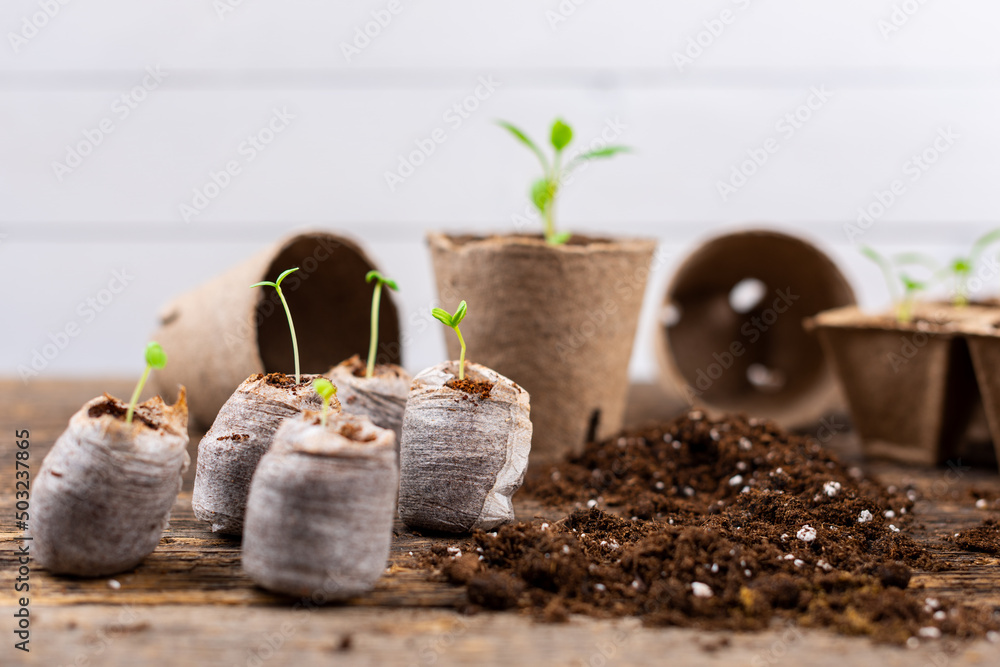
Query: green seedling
{"points": [[453, 321], [903, 289], [326, 390], [376, 302], [961, 268], [291, 326], [155, 358], [545, 190]]}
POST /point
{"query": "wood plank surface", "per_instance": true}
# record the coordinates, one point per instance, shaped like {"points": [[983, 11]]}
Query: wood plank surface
{"points": [[190, 603]]}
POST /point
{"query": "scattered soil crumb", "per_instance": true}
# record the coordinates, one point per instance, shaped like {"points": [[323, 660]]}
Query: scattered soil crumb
{"points": [[728, 524], [118, 410], [278, 380], [984, 538], [478, 388]]}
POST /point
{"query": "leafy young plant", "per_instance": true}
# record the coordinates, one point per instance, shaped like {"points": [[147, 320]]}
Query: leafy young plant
{"points": [[545, 190], [962, 267], [376, 302], [155, 358], [453, 321], [291, 326], [326, 390], [902, 288]]}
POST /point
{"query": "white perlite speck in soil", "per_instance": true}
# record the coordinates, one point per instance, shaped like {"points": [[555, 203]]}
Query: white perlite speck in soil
{"points": [[103, 494], [232, 448], [865, 516], [701, 590], [381, 398], [321, 507], [462, 457], [807, 533]]}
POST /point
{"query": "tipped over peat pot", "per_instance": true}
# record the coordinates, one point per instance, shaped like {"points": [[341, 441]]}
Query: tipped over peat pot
{"points": [[910, 386], [103, 495], [229, 452], [731, 338], [321, 508], [222, 331], [382, 397], [561, 319], [464, 451]]}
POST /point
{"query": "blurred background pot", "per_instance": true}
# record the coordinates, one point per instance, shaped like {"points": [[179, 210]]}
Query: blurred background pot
{"points": [[222, 332], [560, 320]]}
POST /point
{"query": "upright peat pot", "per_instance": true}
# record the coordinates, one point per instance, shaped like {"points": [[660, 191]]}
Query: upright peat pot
{"points": [[466, 440], [559, 311], [103, 495], [375, 390], [321, 507]]}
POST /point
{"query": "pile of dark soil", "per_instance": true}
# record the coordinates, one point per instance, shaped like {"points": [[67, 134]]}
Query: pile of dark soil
{"points": [[728, 524], [984, 538]]}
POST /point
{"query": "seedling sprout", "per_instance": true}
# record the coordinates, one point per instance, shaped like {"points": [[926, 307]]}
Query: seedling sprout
{"points": [[453, 321], [903, 289], [962, 267], [326, 390], [291, 326], [155, 358], [545, 189], [376, 302]]}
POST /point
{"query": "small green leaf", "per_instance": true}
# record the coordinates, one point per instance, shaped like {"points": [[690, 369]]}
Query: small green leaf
{"points": [[607, 151], [266, 283], [325, 388], [961, 266], [277, 283], [523, 138], [373, 275], [541, 194], [560, 238], [562, 134], [391, 284], [443, 316], [459, 314], [155, 356]]}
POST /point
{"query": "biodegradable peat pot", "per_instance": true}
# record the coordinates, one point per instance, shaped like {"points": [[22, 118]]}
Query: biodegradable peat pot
{"points": [[726, 353], [321, 508], [223, 331], [382, 397], [463, 455], [983, 336], [241, 435], [910, 386], [560, 319], [103, 494]]}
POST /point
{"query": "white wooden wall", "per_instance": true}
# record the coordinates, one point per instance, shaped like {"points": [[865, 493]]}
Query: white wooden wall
{"points": [[896, 74]]}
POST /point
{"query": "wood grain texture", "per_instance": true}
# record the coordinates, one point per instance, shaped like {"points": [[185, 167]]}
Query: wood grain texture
{"points": [[190, 603]]}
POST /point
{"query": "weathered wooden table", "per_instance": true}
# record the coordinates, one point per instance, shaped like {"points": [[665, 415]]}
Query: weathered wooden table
{"points": [[190, 604]]}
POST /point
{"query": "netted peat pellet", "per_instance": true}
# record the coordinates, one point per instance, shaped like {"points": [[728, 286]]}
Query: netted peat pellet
{"points": [[382, 397], [242, 433], [103, 494], [464, 449], [321, 507]]}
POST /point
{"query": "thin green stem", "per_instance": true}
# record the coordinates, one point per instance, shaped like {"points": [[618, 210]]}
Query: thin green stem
{"points": [[461, 361], [376, 299], [291, 327], [136, 394]]}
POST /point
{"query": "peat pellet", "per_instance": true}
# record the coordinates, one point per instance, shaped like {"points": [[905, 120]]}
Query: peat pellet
{"points": [[464, 449], [103, 494], [381, 398], [242, 433], [321, 507]]}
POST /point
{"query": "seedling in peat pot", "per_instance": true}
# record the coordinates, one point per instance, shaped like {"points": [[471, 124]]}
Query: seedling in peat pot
{"points": [[453, 321], [155, 358], [291, 326], [962, 267], [326, 390], [376, 302], [904, 299], [545, 189]]}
